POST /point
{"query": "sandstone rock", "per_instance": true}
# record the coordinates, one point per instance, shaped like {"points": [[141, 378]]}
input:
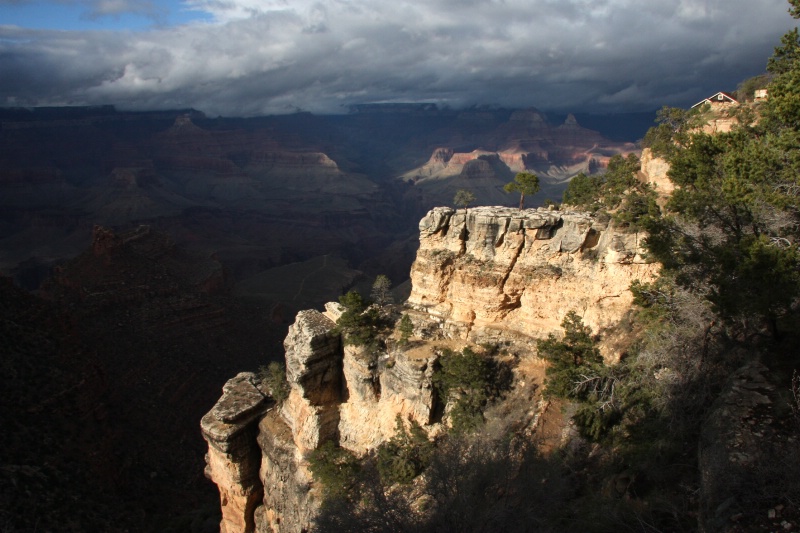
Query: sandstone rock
{"points": [[407, 384], [314, 372], [501, 272], [241, 399], [654, 172], [309, 366], [379, 391], [492, 273], [233, 457], [289, 502], [334, 310]]}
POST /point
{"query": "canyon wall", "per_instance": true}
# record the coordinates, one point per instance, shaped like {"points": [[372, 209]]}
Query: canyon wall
{"points": [[489, 274], [257, 454], [496, 273], [526, 142]]}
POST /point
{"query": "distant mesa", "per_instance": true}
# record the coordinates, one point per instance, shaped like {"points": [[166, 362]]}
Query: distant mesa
{"points": [[183, 123], [531, 117], [478, 168], [528, 142], [442, 155], [525, 142], [571, 122]]}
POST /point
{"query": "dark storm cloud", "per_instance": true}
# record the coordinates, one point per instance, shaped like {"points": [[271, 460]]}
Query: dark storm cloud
{"points": [[276, 56]]}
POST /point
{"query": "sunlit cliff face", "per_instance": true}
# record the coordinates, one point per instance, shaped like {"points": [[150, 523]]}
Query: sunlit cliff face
{"points": [[501, 271]]}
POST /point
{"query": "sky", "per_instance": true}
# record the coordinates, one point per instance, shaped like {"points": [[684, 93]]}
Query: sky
{"points": [[257, 57]]}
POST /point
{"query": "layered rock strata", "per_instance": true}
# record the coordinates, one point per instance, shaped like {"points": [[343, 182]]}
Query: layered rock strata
{"points": [[527, 142], [379, 390], [501, 272], [490, 274], [233, 457], [257, 454], [314, 371]]}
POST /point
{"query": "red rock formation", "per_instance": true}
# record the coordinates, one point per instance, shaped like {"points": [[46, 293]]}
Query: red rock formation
{"points": [[527, 142]]}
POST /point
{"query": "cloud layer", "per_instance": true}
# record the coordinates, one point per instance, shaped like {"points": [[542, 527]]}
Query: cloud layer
{"points": [[277, 56]]}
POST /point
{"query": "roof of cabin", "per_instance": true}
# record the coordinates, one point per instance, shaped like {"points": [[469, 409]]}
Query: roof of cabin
{"points": [[726, 97]]}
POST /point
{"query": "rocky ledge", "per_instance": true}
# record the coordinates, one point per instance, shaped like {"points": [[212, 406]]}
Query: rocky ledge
{"points": [[233, 458], [496, 272], [257, 454], [484, 275]]}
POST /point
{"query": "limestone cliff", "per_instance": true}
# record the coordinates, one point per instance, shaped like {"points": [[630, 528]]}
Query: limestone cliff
{"points": [[233, 459], [257, 454], [500, 272], [381, 390], [314, 371], [654, 173], [490, 274]]}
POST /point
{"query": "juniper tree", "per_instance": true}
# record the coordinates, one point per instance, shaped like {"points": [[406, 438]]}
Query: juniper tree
{"points": [[406, 329], [382, 290], [463, 197], [525, 183], [732, 228]]}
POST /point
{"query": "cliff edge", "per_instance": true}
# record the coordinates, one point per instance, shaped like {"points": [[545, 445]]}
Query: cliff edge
{"points": [[488, 275], [496, 273]]}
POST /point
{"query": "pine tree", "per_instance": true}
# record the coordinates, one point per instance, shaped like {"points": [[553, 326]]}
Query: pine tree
{"points": [[382, 290], [524, 183], [463, 197], [406, 329]]}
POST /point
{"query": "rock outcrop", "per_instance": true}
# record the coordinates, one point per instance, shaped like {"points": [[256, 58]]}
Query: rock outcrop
{"points": [[314, 371], [490, 274], [527, 142], [257, 454], [233, 459], [654, 172], [500, 272], [744, 453], [379, 391]]}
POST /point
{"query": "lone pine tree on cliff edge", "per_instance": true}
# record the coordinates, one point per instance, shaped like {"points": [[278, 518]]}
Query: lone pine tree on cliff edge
{"points": [[524, 183]]}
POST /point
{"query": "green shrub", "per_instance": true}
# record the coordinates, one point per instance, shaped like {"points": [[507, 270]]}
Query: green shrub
{"points": [[618, 191], [358, 325], [406, 328], [469, 380], [569, 356], [461, 371], [382, 290], [619, 178], [636, 208], [467, 413], [584, 192], [672, 131], [593, 193], [274, 376], [576, 372], [405, 455], [334, 468], [594, 423]]}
